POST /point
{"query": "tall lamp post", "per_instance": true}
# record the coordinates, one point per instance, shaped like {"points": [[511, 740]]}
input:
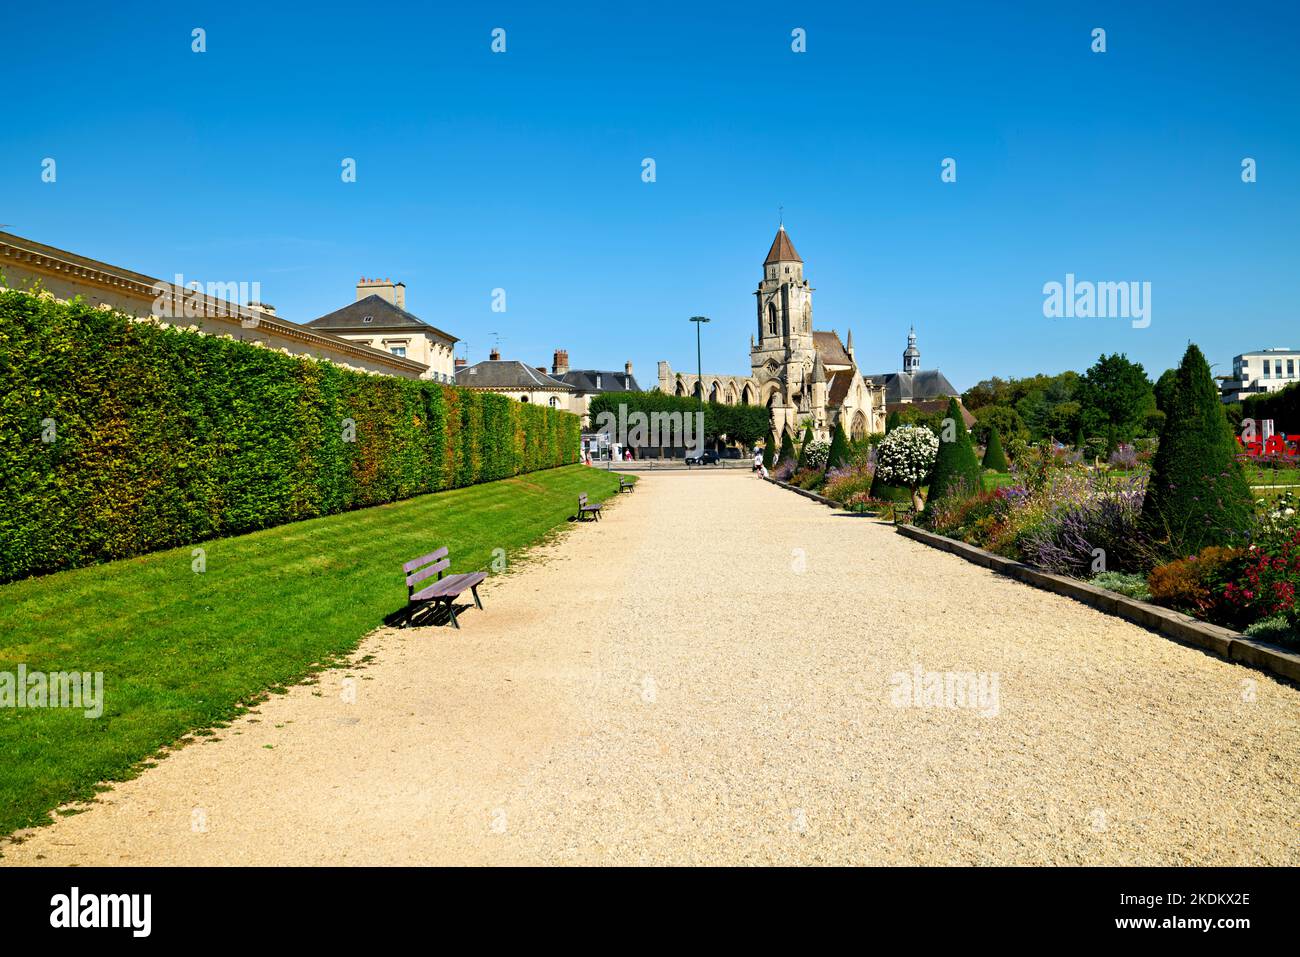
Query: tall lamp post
{"points": [[699, 364]]}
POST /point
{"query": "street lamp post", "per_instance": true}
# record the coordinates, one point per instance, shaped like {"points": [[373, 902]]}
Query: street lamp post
{"points": [[699, 363]]}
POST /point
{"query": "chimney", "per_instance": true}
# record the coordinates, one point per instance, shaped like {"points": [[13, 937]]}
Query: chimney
{"points": [[627, 368], [394, 292], [460, 363], [494, 355], [542, 369], [560, 364]]}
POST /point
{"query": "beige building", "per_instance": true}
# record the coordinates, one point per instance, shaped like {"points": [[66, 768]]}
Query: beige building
{"points": [[519, 381], [25, 263], [803, 376], [378, 319], [589, 383]]}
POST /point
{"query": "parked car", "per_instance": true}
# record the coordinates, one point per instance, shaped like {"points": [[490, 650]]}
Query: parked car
{"points": [[704, 458]]}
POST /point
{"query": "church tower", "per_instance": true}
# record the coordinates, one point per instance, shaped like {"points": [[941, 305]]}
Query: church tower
{"points": [[782, 355], [911, 355]]}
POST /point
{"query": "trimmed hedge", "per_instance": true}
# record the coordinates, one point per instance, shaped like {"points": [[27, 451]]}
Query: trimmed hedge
{"points": [[120, 436]]}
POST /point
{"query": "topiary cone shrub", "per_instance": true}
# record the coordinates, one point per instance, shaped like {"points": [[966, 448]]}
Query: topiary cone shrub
{"points": [[1197, 494], [994, 457], [787, 453], [839, 453], [956, 470], [803, 447], [769, 448]]}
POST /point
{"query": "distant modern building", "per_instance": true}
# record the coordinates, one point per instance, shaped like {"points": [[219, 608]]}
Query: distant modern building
{"points": [[378, 318], [519, 381], [25, 263], [588, 383], [1256, 372]]}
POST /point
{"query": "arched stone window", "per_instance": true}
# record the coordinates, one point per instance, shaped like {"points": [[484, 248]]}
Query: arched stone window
{"points": [[681, 389], [771, 319], [859, 430], [747, 397], [713, 393]]}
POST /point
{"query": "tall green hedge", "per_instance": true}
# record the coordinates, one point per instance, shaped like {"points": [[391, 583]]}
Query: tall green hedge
{"points": [[119, 437]]}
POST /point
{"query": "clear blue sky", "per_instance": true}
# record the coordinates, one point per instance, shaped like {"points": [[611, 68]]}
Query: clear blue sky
{"points": [[523, 170]]}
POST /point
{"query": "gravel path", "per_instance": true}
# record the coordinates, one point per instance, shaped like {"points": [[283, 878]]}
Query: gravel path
{"points": [[707, 677]]}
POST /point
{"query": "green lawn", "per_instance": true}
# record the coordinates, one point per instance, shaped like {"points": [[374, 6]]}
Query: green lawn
{"points": [[181, 651]]}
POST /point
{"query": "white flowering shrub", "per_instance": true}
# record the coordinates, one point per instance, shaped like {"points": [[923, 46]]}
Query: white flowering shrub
{"points": [[814, 455], [906, 455]]}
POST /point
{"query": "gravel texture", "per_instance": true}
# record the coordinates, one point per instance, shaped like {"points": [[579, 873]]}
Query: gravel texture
{"points": [[707, 676]]}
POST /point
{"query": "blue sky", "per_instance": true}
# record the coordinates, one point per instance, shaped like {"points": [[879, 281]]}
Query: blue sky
{"points": [[523, 170]]}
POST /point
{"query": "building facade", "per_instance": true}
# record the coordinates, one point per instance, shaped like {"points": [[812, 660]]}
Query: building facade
{"points": [[1268, 370], [519, 381], [378, 319], [804, 376], [589, 383], [25, 263]]}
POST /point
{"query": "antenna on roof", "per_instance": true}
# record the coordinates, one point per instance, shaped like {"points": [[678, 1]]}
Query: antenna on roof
{"points": [[497, 337], [780, 215]]}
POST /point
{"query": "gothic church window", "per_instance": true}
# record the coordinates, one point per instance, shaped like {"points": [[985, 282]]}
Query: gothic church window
{"points": [[771, 319]]}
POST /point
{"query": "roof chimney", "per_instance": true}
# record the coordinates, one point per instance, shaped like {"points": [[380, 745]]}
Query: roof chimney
{"points": [[560, 364], [461, 363], [627, 368], [386, 289], [494, 355]]}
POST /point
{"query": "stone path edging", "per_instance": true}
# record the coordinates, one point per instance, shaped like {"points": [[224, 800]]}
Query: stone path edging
{"points": [[1222, 641]]}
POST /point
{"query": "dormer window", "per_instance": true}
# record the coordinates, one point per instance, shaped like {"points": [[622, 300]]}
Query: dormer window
{"points": [[367, 319]]}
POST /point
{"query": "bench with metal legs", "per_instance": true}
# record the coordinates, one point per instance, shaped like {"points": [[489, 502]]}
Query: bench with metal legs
{"points": [[442, 591]]}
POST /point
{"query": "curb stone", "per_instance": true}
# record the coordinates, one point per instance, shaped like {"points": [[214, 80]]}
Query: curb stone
{"points": [[1223, 642]]}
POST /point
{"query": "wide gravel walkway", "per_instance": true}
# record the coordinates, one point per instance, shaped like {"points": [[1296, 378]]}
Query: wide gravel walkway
{"points": [[708, 676]]}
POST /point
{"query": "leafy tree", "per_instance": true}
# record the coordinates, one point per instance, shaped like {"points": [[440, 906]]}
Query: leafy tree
{"points": [[994, 457], [1164, 389], [1197, 494], [892, 421], [839, 453], [1115, 397], [787, 447], [769, 448], [1002, 419], [956, 470], [904, 459]]}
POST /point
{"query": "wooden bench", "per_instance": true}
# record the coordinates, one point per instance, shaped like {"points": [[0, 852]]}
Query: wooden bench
{"points": [[585, 510], [442, 591], [908, 512], [624, 485]]}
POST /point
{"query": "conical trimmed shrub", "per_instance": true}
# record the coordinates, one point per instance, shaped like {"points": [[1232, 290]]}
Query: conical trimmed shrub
{"points": [[1197, 494], [787, 448], [839, 452], [956, 470], [769, 448], [994, 457], [803, 446], [892, 421]]}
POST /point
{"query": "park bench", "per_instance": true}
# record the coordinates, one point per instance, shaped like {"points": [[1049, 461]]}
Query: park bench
{"points": [[624, 485], [442, 591], [585, 510], [906, 512]]}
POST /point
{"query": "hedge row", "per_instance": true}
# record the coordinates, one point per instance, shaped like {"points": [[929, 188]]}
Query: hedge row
{"points": [[118, 436], [1283, 407]]}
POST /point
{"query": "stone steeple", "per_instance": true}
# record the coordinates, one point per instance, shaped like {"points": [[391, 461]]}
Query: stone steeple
{"points": [[911, 355]]}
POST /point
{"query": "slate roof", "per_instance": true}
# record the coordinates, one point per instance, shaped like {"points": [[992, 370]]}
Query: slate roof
{"points": [[383, 315], [782, 249], [920, 386], [584, 380], [507, 374], [839, 387]]}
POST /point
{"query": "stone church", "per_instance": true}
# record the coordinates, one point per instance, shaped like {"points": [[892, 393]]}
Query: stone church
{"points": [[802, 375]]}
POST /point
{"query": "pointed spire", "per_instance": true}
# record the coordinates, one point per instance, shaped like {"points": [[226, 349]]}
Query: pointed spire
{"points": [[848, 345], [818, 370], [782, 250]]}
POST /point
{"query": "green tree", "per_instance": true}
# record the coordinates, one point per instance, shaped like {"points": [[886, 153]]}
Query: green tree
{"points": [[1114, 397], [787, 448], [769, 448], [839, 452], [892, 421], [1164, 389], [803, 446], [1002, 419], [956, 470], [994, 457], [1197, 494]]}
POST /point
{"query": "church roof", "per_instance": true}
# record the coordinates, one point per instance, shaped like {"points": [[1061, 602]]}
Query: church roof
{"points": [[382, 314], [923, 386], [830, 349], [599, 380], [839, 387], [782, 249], [507, 374]]}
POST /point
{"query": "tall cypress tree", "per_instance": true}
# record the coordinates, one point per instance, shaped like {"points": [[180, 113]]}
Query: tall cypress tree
{"points": [[1197, 494], [994, 457], [803, 446], [839, 452], [956, 470], [787, 448], [769, 448]]}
